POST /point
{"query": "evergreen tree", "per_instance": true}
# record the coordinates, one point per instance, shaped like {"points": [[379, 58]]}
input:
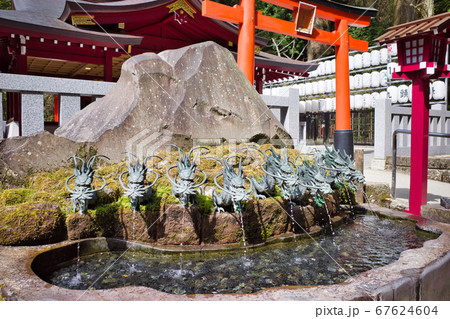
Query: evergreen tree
{"points": [[5, 4]]}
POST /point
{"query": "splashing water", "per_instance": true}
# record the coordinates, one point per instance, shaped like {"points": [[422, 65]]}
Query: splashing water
{"points": [[243, 233], [329, 216], [349, 201], [296, 263]]}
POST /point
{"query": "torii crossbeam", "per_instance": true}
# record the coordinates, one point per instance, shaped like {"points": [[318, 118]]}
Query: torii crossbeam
{"points": [[343, 15]]}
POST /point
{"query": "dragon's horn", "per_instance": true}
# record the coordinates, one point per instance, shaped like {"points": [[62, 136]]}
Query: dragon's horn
{"points": [[240, 172], [179, 151], [196, 148], [193, 162], [92, 159], [170, 178], [104, 183], [67, 184], [120, 180], [151, 156]]}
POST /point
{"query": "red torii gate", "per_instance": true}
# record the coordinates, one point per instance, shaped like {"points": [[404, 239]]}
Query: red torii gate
{"points": [[343, 16]]}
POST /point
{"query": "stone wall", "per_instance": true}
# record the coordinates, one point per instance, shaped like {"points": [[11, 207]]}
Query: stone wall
{"points": [[438, 166]]}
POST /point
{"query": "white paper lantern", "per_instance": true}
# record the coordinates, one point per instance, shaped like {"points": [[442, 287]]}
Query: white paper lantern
{"points": [[328, 86], [366, 80], [383, 95], [410, 93], [328, 67], [351, 81], [267, 91], [392, 49], [359, 101], [367, 100], [329, 104], [308, 106], [314, 106], [383, 78], [390, 69], [322, 105], [431, 91], [402, 93], [308, 88], [320, 68], [375, 79], [358, 61], [352, 102], [366, 59], [302, 89], [375, 57], [321, 87], [439, 90], [351, 62], [375, 97], [333, 66], [333, 104], [315, 87], [384, 56], [302, 107], [333, 85], [393, 94], [358, 81]]}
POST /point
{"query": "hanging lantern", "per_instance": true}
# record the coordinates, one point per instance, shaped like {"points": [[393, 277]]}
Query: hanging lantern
{"points": [[366, 60], [366, 80], [384, 56], [375, 57], [358, 61], [439, 90], [393, 94], [402, 93], [375, 79]]}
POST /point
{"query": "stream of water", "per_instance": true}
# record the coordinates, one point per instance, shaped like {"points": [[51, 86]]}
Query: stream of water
{"points": [[366, 243]]}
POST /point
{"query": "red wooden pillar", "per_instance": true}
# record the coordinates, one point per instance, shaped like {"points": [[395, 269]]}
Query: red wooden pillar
{"points": [[246, 40], [56, 107], [107, 66], [343, 136], [259, 83], [419, 144]]}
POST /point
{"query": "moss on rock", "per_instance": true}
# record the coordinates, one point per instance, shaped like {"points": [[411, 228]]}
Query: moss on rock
{"points": [[82, 226], [31, 224]]}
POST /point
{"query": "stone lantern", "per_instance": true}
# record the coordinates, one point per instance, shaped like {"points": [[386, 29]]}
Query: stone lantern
{"points": [[421, 47]]}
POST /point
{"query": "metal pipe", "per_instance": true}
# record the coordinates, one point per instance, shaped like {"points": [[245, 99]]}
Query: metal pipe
{"points": [[394, 153]]}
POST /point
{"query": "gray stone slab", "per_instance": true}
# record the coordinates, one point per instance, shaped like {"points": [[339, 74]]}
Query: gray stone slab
{"points": [[32, 114], [70, 104], [31, 83]]}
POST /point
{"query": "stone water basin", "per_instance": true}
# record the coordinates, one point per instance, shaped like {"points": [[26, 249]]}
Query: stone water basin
{"points": [[415, 275], [365, 243]]}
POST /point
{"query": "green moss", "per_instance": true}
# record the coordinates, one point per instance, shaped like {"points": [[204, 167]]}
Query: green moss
{"points": [[15, 196], [205, 203], [30, 224], [107, 217], [161, 195]]}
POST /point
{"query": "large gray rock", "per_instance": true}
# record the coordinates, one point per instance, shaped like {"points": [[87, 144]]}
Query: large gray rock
{"points": [[196, 94]]}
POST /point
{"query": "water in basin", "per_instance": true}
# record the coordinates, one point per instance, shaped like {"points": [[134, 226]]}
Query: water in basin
{"points": [[367, 243]]}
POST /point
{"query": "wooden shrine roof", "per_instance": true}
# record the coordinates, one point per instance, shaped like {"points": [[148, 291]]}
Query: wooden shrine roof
{"points": [[149, 26], [432, 24]]}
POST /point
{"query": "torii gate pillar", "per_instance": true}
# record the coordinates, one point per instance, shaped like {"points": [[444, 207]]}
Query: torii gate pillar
{"points": [[249, 19], [343, 136], [246, 40]]}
